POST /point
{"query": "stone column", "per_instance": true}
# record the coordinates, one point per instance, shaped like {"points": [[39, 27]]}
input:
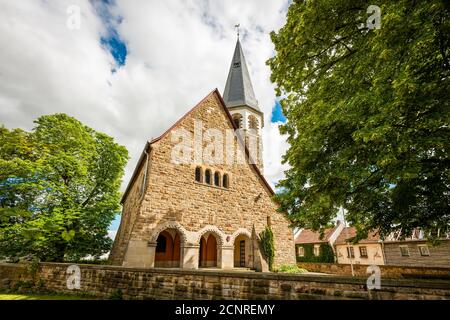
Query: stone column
{"points": [[190, 256], [140, 254], [227, 261]]}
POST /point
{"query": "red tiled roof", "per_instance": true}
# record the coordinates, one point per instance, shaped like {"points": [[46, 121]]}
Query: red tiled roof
{"points": [[310, 236], [350, 232]]}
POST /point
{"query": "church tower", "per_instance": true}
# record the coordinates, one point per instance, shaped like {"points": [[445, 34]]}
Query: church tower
{"points": [[240, 100]]}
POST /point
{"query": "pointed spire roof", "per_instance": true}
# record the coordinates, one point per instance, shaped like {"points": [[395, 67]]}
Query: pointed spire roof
{"points": [[239, 89]]}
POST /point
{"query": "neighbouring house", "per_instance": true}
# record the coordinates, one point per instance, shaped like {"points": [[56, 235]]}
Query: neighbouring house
{"points": [[201, 213], [310, 246], [415, 251], [367, 251]]}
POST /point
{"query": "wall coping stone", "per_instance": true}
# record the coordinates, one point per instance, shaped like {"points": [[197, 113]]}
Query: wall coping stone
{"points": [[326, 278]]}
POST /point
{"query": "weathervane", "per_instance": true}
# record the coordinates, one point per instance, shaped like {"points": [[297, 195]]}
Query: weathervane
{"points": [[237, 29]]}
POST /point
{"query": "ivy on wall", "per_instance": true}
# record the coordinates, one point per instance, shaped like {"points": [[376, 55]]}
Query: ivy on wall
{"points": [[267, 246], [326, 253]]}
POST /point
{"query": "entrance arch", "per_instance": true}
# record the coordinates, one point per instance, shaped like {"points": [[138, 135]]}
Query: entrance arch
{"points": [[242, 251], [168, 249], [208, 251]]}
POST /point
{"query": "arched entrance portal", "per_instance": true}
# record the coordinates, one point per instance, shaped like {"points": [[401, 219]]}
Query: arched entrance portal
{"points": [[208, 251], [242, 252], [168, 249]]}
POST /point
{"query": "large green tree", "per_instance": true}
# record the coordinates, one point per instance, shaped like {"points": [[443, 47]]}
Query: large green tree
{"points": [[367, 113], [59, 189]]}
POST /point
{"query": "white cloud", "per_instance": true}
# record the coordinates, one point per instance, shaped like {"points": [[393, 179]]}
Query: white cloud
{"points": [[178, 51]]}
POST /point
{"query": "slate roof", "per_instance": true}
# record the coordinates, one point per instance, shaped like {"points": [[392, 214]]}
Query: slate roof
{"points": [[238, 89]]}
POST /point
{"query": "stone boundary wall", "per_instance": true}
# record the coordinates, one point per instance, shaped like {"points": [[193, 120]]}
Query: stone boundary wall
{"points": [[386, 270], [102, 281]]}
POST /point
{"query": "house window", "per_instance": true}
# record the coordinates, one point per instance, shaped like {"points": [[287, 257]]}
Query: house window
{"points": [[424, 250], [198, 174], [208, 176], [404, 250], [217, 179], [363, 252], [300, 251], [316, 250], [350, 252], [269, 221], [237, 120], [225, 181]]}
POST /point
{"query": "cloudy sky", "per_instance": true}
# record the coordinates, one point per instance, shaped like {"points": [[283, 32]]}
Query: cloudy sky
{"points": [[133, 67]]}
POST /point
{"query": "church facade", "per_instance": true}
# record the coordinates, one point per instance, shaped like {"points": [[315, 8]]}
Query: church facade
{"points": [[201, 213]]}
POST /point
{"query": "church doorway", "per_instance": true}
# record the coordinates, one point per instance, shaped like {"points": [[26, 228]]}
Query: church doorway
{"points": [[208, 251], [242, 252], [168, 249]]}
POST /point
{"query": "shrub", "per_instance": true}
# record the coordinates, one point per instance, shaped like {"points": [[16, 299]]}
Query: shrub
{"points": [[116, 295], [326, 253], [290, 268], [267, 246]]}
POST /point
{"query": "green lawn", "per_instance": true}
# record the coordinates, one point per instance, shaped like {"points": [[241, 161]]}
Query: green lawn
{"points": [[19, 296]]}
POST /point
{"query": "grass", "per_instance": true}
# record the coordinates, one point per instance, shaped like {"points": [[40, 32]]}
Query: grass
{"points": [[28, 296], [290, 269]]}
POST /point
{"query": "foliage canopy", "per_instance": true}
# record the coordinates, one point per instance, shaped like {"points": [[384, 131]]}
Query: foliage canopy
{"points": [[59, 190], [367, 114]]}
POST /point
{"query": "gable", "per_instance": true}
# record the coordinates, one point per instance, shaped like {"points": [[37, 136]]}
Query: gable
{"points": [[185, 122]]}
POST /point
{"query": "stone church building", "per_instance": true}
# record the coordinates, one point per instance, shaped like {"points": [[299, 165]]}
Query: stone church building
{"points": [[200, 214]]}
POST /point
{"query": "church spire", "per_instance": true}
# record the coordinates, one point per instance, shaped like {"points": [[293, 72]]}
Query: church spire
{"points": [[239, 90]]}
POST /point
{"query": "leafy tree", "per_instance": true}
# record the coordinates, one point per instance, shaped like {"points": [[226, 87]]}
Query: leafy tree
{"points": [[367, 114], [59, 189]]}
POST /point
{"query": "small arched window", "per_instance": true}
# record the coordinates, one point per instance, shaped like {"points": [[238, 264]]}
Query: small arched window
{"points": [[208, 176], [217, 179], [198, 174], [225, 181], [237, 120], [252, 122]]}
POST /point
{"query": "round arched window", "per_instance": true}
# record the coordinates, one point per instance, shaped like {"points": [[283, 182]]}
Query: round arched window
{"points": [[253, 122], [237, 120], [217, 179], [198, 174], [208, 176], [225, 181]]}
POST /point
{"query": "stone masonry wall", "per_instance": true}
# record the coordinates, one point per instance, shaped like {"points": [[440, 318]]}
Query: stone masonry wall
{"points": [[103, 281], [386, 271]]}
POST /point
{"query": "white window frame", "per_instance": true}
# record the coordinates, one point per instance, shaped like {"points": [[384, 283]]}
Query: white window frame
{"points": [[316, 250], [424, 246], [407, 251]]}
